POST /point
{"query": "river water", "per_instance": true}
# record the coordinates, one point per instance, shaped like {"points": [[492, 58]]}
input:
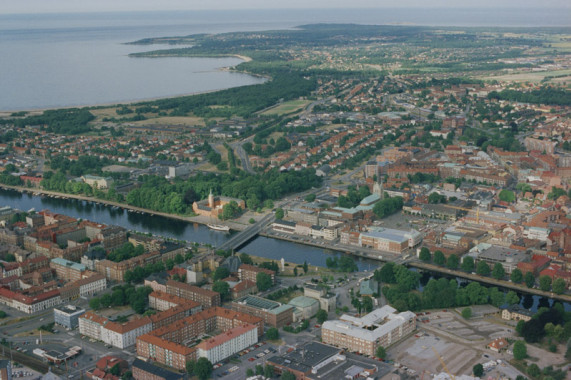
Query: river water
{"points": [[158, 225], [273, 249]]}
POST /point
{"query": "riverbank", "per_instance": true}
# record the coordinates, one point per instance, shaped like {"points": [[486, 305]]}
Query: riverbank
{"points": [[234, 225], [489, 280]]}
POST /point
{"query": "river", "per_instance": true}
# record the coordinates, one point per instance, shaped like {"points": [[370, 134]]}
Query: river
{"points": [[273, 249], [159, 225]]}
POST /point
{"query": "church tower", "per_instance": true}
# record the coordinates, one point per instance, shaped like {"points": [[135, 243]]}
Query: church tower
{"points": [[210, 199]]}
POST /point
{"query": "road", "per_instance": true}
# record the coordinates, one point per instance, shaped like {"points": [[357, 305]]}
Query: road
{"points": [[242, 155]]}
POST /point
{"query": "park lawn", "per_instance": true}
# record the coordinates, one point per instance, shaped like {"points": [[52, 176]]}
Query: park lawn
{"points": [[536, 76], [287, 107]]}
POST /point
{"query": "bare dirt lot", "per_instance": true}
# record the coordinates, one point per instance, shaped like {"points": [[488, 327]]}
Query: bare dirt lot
{"points": [[458, 342]]}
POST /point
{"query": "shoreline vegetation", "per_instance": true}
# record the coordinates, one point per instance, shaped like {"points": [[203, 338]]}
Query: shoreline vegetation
{"points": [[189, 219]]}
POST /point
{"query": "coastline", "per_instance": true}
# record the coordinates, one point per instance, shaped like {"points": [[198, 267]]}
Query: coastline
{"points": [[131, 102]]}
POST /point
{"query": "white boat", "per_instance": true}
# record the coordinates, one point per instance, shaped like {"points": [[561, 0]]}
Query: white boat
{"points": [[218, 227]]}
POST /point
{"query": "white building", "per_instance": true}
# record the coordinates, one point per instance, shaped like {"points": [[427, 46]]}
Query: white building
{"points": [[381, 327], [35, 304], [228, 343], [92, 285], [116, 334], [125, 335]]}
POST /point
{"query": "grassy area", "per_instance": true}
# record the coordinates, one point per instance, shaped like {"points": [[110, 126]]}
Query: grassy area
{"points": [[537, 76], [287, 107], [33, 333], [285, 299]]}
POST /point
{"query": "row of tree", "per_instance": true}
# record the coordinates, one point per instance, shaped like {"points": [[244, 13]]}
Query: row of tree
{"points": [[498, 272]]}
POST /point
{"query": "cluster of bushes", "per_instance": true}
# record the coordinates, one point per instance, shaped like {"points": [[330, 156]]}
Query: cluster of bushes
{"points": [[122, 295], [282, 292], [303, 326]]}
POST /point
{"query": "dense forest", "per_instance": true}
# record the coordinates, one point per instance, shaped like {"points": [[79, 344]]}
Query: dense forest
{"points": [[158, 194], [238, 101], [545, 95]]}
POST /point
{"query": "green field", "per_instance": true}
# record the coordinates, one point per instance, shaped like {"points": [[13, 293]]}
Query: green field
{"points": [[536, 76], [287, 107]]}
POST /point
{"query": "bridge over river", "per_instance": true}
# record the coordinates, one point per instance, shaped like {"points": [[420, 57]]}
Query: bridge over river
{"points": [[246, 235]]}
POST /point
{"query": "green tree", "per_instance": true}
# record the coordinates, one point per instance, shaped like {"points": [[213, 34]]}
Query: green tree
{"points": [[106, 300], [310, 198], [452, 262], [246, 259], [483, 269], [545, 283], [498, 272], [556, 192], [497, 297], [520, 326], [516, 276], [559, 286], [507, 196], [223, 288], [305, 267], [115, 370], [190, 365], [533, 370], [263, 281], [367, 304], [179, 259], [520, 350], [230, 210], [425, 255], [279, 213], [478, 370], [118, 297], [272, 333], [467, 313], [95, 303], [387, 274], [468, 264], [287, 375], [512, 298], [250, 372], [269, 371], [220, 273], [529, 279], [381, 353], [439, 258], [203, 368], [321, 316]]}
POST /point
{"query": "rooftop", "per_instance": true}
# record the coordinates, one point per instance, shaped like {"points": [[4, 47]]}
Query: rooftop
{"points": [[157, 371], [306, 358], [258, 302], [372, 326]]}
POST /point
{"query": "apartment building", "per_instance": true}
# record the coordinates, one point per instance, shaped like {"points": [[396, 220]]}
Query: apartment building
{"points": [[205, 297], [381, 327]]}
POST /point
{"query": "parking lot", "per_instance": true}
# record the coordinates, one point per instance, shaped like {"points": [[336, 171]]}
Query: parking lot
{"points": [[236, 366]]}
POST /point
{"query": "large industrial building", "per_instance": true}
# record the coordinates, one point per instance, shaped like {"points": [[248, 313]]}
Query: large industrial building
{"points": [[273, 313], [381, 327], [390, 240]]}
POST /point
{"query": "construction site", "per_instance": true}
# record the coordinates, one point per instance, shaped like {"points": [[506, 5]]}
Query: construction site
{"points": [[448, 346]]}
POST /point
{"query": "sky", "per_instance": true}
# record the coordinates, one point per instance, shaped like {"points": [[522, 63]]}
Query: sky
{"points": [[51, 6]]}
